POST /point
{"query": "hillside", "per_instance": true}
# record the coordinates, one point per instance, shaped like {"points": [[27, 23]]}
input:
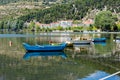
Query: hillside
{"points": [[74, 10], [16, 8], [19, 12]]}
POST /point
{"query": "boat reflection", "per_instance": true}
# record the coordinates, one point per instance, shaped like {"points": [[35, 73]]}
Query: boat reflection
{"points": [[101, 43], [28, 55], [86, 50], [88, 47]]}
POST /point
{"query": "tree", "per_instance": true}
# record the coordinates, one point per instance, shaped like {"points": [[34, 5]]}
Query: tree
{"points": [[105, 20], [20, 24], [32, 25], [37, 27], [59, 28], [1, 25], [118, 25]]}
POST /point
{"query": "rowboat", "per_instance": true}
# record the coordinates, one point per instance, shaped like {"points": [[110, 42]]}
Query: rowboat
{"points": [[48, 47], [117, 40], [82, 42], [79, 41], [36, 54], [99, 39]]}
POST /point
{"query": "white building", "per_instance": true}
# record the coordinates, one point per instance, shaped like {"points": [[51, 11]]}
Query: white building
{"points": [[65, 24]]}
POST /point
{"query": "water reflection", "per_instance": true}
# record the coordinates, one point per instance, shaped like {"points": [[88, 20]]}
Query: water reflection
{"points": [[116, 52], [87, 59], [100, 74], [28, 55], [100, 43], [81, 48], [87, 49], [91, 51]]}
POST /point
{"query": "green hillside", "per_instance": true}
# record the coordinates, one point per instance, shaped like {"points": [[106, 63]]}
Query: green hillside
{"points": [[16, 8], [75, 11], [43, 11]]}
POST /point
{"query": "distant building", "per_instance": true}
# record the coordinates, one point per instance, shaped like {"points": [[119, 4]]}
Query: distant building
{"points": [[37, 23], [88, 22], [54, 24], [65, 24], [78, 25], [45, 26]]}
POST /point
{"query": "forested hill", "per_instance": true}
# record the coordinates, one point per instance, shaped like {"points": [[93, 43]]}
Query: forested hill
{"points": [[75, 10], [15, 14]]}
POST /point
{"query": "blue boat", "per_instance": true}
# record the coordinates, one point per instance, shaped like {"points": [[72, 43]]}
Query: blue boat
{"points": [[99, 39], [36, 54], [33, 48]]}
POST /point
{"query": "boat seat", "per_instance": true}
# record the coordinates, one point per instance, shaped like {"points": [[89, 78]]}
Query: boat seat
{"points": [[39, 45]]}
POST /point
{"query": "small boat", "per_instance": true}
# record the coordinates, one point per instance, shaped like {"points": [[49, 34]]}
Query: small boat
{"points": [[33, 54], [48, 47], [83, 45], [99, 40], [69, 42], [117, 40], [79, 41], [82, 42]]}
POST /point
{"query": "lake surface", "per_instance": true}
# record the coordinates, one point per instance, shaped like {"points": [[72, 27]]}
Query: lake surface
{"points": [[90, 62]]}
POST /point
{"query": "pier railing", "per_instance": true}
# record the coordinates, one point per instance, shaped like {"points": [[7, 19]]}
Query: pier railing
{"points": [[104, 78]]}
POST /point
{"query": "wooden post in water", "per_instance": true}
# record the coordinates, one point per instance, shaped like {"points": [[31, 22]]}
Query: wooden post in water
{"points": [[10, 43]]}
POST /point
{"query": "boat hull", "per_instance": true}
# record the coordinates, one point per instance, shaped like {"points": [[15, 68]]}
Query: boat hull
{"points": [[117, 40], [82, 42], [36, 48]]}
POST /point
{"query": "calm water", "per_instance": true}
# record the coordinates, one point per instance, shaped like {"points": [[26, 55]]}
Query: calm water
{"points": [[75, 63]]}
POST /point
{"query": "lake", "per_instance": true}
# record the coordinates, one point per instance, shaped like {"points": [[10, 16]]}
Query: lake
{"points": [[90, 62]]}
